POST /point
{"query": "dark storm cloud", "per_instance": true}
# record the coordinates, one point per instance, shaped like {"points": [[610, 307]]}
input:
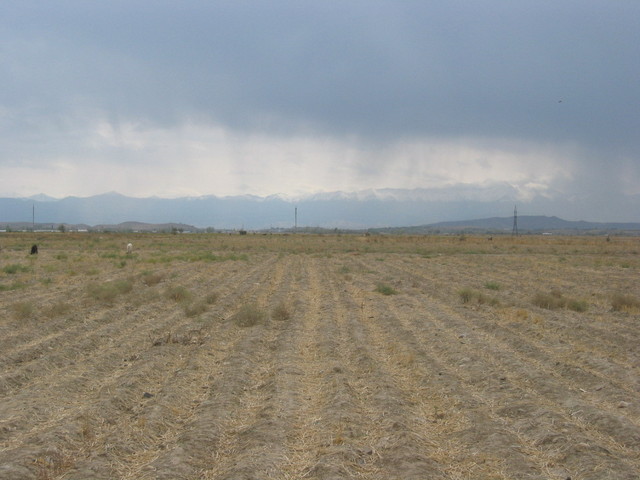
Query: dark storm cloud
{"points": [[552, 70], [543, 93]]}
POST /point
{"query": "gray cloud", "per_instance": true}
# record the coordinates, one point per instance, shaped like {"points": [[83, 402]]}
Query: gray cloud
{"points": [[370, 74]]}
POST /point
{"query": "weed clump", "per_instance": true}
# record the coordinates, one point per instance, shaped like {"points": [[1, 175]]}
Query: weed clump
{"points": [[468, 295], [249, 315], [151, 278], [191, 310], [14, 268], [57, 309], [212, 298], [385, 289], [577, 305], [23, 310], [178, 293], [555, 300], [625, 303], [550, 301], [108, 291], [281, 312]]}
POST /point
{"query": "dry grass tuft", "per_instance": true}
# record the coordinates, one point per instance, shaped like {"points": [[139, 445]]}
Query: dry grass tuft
{"points": [[23, 310], [189, 337], [625, 303], [14, 268], [107, 292], [468, 295], [555, 300], [385, 289], [194, 309], [281, 312], [212, 298], [249, 315], [53, 464], [178, 293], [57, 310], [151, 278]]}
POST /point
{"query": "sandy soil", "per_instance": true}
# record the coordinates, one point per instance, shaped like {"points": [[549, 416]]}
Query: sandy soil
{"points": [[337, 380]]}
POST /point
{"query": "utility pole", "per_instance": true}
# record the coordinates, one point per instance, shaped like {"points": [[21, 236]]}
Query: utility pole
{"points": [[514, 232]]}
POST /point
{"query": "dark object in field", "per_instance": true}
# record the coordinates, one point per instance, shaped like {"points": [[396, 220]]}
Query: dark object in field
{"points": [[34, 249]]}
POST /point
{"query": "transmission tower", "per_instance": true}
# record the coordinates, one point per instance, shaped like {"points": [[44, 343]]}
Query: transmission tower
{"points": [[514, 232]]}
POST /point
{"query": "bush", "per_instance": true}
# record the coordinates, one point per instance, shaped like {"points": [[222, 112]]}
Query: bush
{"points": [[492, 285]]}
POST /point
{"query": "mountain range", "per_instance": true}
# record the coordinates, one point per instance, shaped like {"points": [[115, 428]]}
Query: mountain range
{"points": [[383, 208]]}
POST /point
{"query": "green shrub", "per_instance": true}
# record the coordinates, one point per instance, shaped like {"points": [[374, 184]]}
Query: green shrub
{"points": [[492, 285], [385, 289], [14, 268], [13, 286]]}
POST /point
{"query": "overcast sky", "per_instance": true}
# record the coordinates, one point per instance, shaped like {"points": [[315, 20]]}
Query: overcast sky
{"points": [[176, 98]]}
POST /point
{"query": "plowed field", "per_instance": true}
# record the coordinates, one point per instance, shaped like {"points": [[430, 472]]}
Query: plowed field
{"points": [[319, 357]]}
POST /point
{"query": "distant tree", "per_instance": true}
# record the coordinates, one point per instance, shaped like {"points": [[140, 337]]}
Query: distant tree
{"points": [[62, 228]]}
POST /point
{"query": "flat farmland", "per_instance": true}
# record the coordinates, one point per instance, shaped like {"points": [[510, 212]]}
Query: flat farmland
{"points": [[215, 356]]}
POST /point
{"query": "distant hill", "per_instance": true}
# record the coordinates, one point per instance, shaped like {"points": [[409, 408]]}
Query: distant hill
{"points": [[368, 209], [120, 227], [525, 224]]}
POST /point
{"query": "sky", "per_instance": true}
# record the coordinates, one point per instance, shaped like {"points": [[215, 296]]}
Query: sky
{"points": [[188, 98]]}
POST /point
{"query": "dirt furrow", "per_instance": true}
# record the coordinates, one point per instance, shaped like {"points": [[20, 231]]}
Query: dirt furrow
{"points": [[321, 443], [379, 436], [103, 371], [235, 396], [480, 369], [470, 439], [580, 368], [561, 382]]}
